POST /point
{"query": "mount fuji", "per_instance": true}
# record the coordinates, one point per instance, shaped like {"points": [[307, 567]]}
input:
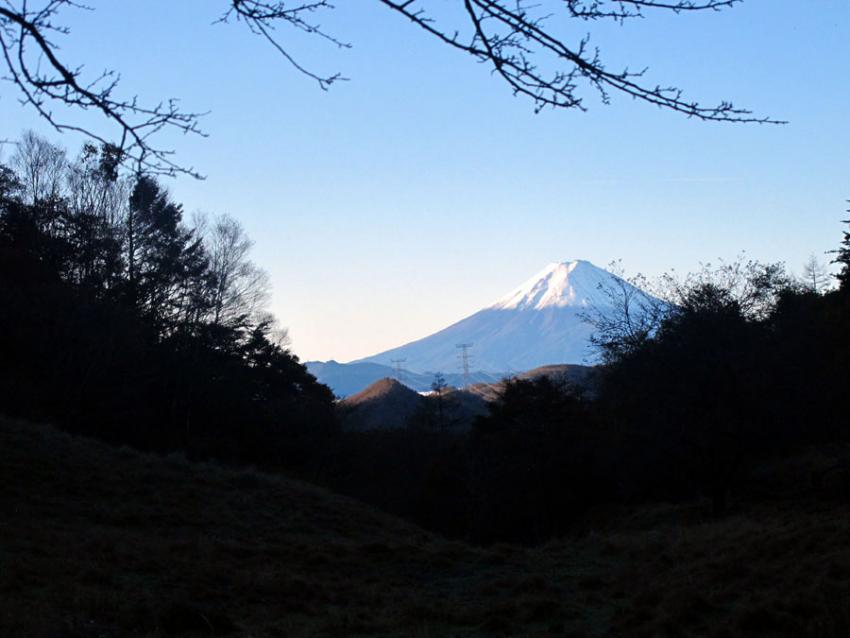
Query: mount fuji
{"points": [[538, 323]]}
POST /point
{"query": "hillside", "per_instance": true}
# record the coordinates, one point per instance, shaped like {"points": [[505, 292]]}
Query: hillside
{"points": [[96, 541], [388, 404], [385, 404]]}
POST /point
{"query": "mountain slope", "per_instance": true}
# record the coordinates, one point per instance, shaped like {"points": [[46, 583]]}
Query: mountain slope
{"points": [[386, 404], [98, 541], [536, 324]]}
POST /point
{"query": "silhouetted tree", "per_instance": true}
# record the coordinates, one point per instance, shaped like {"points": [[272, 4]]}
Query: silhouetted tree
{"points": [[628, 318], [240, 289], [40, 167], [438, 387], [842, 258], [106, 326], [94, 186], [815, 277], [535, 455], [168, 277], [10, 185], [691, 395]]}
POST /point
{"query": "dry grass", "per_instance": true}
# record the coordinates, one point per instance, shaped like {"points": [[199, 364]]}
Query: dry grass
{"points": [[98, 542]]}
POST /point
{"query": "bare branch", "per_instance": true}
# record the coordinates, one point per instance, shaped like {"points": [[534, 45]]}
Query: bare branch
{"points": [[262, 17], [628, 316], [511, 36], [624, 9], [33, 65]]}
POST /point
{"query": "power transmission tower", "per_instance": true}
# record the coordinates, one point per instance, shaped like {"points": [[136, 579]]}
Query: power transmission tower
{"points": [[464, 360], [399, 371]]}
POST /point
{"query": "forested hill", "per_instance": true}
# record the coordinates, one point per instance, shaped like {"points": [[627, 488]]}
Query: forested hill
{"points": [[123, 319]]}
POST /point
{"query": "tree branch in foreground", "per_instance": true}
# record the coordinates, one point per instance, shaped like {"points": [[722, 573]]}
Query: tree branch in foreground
{"points": [[512, 38], [33, 65]]}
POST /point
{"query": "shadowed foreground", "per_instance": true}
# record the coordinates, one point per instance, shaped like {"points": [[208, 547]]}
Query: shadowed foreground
{"points": [[97, 542]]}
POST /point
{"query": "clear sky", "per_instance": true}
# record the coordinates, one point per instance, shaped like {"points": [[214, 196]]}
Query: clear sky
{"points": [[421, 190]]}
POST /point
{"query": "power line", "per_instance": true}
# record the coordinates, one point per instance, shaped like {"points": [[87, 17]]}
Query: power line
{"points": [[399, 371], [464, 357]]}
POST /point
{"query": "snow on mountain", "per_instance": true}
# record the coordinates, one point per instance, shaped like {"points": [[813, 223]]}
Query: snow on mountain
{"points": [[538, 323], [576, 283]]}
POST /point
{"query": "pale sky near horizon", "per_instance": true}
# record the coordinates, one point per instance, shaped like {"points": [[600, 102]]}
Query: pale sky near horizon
{"points": [[421, 190]]}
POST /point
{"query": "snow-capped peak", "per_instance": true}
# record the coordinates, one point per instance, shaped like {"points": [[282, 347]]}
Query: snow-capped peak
{"points": [[569, 283], [538, 323]]}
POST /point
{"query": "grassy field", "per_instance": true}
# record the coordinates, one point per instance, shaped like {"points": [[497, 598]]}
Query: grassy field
{"points": [[101, 542]]}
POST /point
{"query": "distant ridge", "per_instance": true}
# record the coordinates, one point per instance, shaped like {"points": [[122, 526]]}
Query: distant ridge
{"points": [[346, 379], [583, 378]]}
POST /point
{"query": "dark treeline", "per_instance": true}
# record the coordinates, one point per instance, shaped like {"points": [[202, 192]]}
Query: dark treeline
{"points": [[121, 320], [740, 366], [747, 364]]}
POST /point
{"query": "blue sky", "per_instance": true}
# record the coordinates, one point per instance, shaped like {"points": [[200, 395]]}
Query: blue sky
{"points": [[421, 190]]}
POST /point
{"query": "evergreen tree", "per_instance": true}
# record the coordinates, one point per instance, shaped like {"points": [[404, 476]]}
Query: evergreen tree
{"points": [[167, 268], [438, 387], [842, 258]]}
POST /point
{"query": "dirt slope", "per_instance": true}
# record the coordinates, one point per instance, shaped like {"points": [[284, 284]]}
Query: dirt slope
{"points": [[101, 542]]}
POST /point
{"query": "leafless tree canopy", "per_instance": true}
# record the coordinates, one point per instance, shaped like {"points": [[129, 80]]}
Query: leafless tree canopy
{"points": [[28, 33], [241, 289], [262, 18], [815, 276], [518, 39], [515, 39], [630, 316], [41, 167], [636, 309]]}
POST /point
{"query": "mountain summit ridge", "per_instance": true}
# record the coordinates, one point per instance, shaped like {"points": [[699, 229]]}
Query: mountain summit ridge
{"points": [[573, 283]]}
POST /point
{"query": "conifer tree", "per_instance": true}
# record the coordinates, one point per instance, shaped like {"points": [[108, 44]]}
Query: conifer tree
{"points": [[842, 258]]}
